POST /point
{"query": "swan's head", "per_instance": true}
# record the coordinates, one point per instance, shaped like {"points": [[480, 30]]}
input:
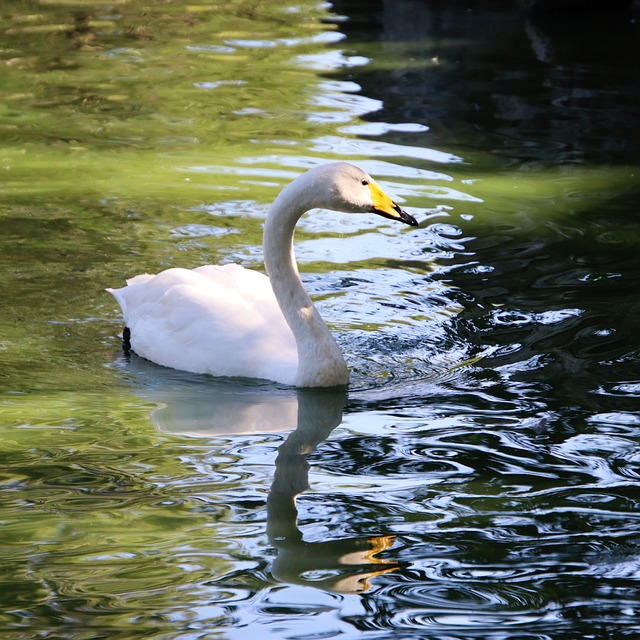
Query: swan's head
{"points": [[341, 186]]}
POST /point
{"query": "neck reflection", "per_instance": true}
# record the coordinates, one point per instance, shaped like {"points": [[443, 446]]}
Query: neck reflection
{"points": [[345, 565]]}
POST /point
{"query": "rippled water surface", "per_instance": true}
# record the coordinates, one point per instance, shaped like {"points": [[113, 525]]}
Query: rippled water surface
{"points": [[481, 477]]}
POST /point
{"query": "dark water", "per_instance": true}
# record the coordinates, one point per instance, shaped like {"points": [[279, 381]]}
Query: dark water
{"points": [[481, 479], [532, 521]]}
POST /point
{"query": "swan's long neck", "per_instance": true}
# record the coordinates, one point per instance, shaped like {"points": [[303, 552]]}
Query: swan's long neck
{"points": [[320, 361]]}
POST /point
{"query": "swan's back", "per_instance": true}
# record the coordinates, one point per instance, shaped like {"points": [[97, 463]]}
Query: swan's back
{"points": [[221, 320]]}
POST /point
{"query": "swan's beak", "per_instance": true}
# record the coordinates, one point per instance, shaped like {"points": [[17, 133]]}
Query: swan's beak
{"points": [[384, 206]]}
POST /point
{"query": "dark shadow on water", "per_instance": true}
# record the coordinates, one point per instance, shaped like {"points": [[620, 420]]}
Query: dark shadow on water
{"points": [[484, 76]]}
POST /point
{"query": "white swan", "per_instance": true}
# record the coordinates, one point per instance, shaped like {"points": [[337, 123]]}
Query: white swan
{"points": [[230, 321]]}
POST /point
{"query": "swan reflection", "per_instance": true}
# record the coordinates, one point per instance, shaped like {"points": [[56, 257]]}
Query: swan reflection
{"points": [[191, 406], [345, 565]]}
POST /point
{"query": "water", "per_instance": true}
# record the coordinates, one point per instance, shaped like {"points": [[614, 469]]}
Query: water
{"points": [[479, 480]]}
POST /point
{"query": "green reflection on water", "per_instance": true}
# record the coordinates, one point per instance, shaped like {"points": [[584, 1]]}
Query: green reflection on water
{"points": [[100, 515], [119, 123], [111, 100]]}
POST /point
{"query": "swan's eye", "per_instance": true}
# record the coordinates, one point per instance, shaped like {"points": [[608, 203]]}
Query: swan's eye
{"points": [[365, 182]]}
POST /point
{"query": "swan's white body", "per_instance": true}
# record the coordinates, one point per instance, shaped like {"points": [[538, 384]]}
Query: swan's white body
{"points": [[231, 321], [221, 320]]}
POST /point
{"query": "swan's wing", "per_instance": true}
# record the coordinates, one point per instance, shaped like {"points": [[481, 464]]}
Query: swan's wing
{"points": [[221, 320]]}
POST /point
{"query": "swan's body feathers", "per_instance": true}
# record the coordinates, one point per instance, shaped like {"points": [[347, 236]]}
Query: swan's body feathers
{"points": [[231, 321], [176, 319]]}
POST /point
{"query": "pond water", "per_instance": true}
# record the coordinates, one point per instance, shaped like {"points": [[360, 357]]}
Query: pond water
{"points": [[481, 477]]}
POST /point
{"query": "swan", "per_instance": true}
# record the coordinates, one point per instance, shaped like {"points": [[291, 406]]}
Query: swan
{"points": [[230, 321]]}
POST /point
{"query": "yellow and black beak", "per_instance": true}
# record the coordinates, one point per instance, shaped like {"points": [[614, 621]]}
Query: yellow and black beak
{"points": [[384, 206]]}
